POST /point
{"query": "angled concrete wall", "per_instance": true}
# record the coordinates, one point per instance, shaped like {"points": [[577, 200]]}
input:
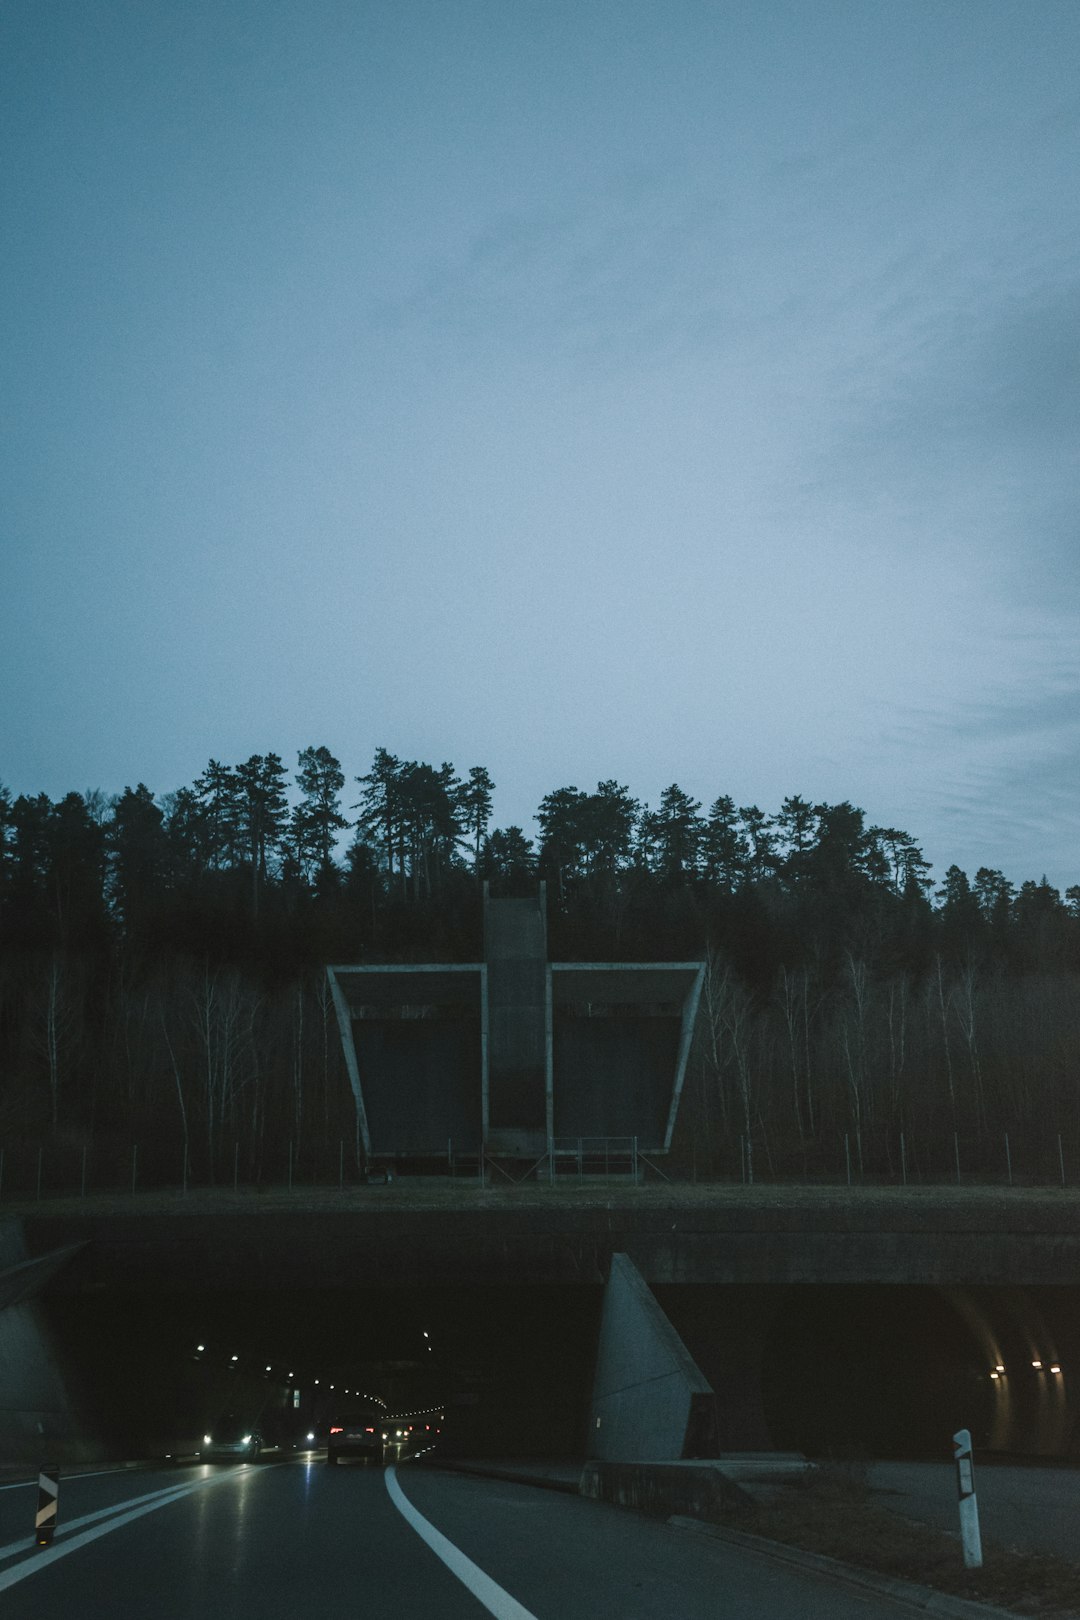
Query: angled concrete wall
{"points": [[39, 1422], [648, 1392]]}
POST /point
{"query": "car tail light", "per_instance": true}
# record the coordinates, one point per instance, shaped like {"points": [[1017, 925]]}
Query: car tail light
{"points": [[338, 1430], [369, 1431]]}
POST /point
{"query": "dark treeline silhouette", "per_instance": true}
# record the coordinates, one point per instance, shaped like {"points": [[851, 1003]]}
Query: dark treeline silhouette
{"points": [[161, 971]]}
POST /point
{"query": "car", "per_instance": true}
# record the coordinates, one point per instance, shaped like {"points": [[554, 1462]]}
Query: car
{"points": [[359, 1434], [231, 1439]]}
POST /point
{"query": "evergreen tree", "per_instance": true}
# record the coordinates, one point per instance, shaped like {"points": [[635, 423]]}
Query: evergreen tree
{"points": [[562, 838], [380, 816], [317, 819], [725, 850], [680, 832], [263, 816], [76, 872], [218, 792], [508, 861], [794, 825], [605, 821], [139, 864], [757, 830], [474, 804]]}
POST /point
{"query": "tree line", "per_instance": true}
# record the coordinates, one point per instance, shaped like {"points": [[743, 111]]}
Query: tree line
{"points": [[161, 959]]}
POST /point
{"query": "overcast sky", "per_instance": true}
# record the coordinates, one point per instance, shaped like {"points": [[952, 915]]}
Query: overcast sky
{"points": [[667, 392]]}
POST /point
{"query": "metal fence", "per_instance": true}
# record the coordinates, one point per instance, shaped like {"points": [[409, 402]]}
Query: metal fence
{"points": [[32, 1170]]}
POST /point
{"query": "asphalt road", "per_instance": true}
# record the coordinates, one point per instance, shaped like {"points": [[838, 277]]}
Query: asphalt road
{"points": [[285, 1538], [1037, 1509]]}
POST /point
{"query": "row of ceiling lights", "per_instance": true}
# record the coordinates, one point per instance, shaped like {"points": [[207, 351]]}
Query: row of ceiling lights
{"points": [[200, 1349], [1054, 1367]]}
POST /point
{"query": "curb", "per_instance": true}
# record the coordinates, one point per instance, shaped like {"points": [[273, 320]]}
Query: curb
{"points": [[923, 1598], [513, 1476]]}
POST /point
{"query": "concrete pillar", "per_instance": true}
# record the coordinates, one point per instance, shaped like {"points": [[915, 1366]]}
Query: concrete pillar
{"points": [[515, 948], [648, 1395]]}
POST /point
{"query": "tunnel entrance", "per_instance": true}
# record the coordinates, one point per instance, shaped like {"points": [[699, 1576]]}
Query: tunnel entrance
{"points": [[511, 1368], [886, 1370], [861, 1370]]}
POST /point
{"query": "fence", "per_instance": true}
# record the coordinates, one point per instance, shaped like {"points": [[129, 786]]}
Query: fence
{"points": [[39, 1170]]}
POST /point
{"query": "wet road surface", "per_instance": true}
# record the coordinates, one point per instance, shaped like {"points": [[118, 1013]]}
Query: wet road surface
{"points": [[282, 1538]]}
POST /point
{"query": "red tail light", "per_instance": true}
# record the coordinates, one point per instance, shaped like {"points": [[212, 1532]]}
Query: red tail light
{"points": [[337, 1430], [369, 1431]]}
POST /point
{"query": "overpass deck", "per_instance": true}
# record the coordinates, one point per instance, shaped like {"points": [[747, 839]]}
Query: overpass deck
{"points": [[447, 1233]]}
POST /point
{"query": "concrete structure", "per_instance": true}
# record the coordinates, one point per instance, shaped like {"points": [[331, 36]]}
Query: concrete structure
{"points": [[650, 1401], [515, 1055], [987, 1277], [39, 1414]]}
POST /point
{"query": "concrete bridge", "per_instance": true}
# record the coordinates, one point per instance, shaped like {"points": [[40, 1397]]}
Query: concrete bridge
{"points": [[792, 1308]]}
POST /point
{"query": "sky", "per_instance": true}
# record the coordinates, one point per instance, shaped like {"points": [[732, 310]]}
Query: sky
{"points": [[601, 389]]}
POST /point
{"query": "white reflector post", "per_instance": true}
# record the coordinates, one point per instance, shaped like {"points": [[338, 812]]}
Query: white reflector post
{"points": [[48, 1493], [969, 1507]]}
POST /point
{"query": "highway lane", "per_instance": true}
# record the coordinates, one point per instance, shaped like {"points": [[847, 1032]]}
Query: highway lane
{"points": [[279, 1539]]}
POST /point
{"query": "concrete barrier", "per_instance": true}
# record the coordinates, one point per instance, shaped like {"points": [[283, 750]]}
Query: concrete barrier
{"points": [[694, 1490]]}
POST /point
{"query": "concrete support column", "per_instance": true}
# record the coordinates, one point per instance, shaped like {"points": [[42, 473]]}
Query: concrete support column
{"points": [[648, 1394]]}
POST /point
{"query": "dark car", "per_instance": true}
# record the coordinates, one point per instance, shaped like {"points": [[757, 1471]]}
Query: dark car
{"points": [[360, 1434], [231, 1439]]}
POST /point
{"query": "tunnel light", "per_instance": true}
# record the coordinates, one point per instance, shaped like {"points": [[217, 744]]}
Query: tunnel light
{"points": [[426, 1334], [993, 1375], [234, 1358], [1000, 1367], [1037, 1365], [1055, 1368], [268, 1369], [200, 1347]]}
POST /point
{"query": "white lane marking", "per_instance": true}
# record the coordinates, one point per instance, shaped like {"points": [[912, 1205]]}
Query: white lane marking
{"points": [[42, 1560], [64, 1529], [27, 1484], [495, 1600]]}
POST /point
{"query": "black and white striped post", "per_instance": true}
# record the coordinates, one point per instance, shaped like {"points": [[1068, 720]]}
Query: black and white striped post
{"points": [[969, 1507], [48, 1495]]}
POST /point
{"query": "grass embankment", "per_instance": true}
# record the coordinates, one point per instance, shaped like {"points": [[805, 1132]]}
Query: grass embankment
{"points": [[832, 1511]]}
